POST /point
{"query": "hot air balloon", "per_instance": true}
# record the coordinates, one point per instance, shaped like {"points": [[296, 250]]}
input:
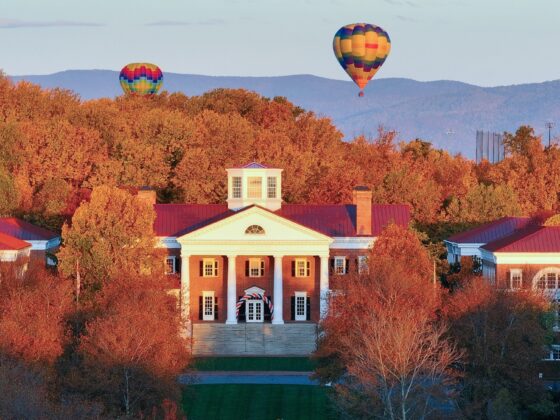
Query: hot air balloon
{"points": [[361, 48], [141, 78]]}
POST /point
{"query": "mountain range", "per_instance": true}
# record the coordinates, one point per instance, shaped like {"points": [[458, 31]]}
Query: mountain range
{"points": [[446, 113]]}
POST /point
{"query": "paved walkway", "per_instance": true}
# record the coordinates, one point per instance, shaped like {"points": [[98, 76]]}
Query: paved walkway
{"points": [[247, 377]]}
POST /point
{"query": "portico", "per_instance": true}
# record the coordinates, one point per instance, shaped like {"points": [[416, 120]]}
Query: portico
{"points": [[279, 256]]}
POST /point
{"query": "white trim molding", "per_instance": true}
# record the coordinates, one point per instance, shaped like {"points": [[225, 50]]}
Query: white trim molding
{"points": [[353, 242]]}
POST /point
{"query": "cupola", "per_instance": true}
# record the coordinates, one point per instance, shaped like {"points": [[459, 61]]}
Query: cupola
{"points": [[254, 183]]}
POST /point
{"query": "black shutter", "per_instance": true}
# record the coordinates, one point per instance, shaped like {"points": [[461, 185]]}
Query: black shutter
{"points": [[357, 265], [293, 306], [332, 265], [308, 268], [247, 268], [262, 268], [215, 268], [201, 268], [267, 314], [215, 309], [293, 268], [308, 308], [200, 308], [347, 266], [241, 316]]}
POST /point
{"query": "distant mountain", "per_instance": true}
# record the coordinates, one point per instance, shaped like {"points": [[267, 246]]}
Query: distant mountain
{"points": [[446, 113]]}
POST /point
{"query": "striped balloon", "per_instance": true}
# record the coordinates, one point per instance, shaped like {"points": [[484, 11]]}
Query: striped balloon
{"points": [[361, 49], [141, 78]]}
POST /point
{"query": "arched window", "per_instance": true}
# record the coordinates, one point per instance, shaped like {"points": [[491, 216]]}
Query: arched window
{"points": [[547, 279], [254, 230]]}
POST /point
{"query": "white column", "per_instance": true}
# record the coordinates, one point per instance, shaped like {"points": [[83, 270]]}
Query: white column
{"points": [[185, 297], [231, 290], [324, 285], [278, 295]]}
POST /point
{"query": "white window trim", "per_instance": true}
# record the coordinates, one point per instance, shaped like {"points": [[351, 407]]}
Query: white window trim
{"points": [[210, 315], [339, 258], [214, 263], [300, 317], [304, 262], [552, 349], [363, 267], [174, 269], [254, 303], [233, 187], [271, 193], [515, 272], [258, 262]]}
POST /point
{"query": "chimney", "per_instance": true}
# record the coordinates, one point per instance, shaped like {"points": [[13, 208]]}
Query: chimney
{"points": [[147, 194], [361, 198]]}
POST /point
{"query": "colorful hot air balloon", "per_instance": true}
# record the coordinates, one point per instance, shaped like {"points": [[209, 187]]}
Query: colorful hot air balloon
{"points": [[361, 48], [141, 78]]}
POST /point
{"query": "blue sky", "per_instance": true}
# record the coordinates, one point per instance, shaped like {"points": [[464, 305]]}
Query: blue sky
{"points": [[485, 42]]}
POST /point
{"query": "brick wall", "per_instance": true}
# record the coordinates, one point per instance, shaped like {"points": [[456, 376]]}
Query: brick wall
{"points": [[528, 273]]}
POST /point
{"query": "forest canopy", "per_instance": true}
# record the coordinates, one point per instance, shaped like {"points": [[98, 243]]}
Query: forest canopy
{"points": [[55, 148]]}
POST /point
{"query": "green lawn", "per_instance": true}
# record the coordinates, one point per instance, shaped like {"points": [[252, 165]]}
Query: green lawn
{"points": [[298, 364], [262, 402]]}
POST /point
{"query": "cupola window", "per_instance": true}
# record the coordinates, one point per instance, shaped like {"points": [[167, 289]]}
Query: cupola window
{"points": [[254, 187]]}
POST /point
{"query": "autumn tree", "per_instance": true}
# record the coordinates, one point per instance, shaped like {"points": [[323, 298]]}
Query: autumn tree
{"points": [[33, 314], [504, 336], [383, 342], [132, 351], [113, 232]]}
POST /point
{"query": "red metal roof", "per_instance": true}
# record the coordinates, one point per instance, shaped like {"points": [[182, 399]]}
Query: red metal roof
{"points": [[9, 243], [25, 231], [492, 231], [530, 239], [332, 220]]}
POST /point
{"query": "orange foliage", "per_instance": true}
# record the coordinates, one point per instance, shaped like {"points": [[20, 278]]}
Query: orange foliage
{"points": [[33, 312]]}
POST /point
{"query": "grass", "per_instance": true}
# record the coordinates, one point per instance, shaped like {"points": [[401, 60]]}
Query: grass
{"points": [[295, 364], [262, 402]]}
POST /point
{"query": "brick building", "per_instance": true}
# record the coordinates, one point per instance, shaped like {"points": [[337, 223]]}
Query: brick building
{"points": [[20, 239], [255, 272]]}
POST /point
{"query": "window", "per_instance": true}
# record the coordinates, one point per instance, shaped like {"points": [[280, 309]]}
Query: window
{"points": [[339, 265], [301, 306], [254, 187], [271, 187], [256, 267], [362, 264], [515, 279], [208, 306], [254, 230], [209, 267], [51, 260], [553, 353], [236, 187], [301, 267], [170, 265], [547, 279]]}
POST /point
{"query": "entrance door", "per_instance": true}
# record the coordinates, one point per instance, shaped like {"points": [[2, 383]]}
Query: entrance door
{"points": [[255, 310]]}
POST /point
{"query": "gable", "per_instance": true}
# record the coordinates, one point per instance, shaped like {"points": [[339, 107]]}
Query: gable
{"points": [[274, 229]]}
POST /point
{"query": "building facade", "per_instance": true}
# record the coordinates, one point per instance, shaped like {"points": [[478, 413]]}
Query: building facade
{"points": [[22, 240], [255, 273]]}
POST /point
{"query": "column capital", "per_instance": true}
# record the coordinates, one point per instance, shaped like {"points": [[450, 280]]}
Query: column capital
{"points": [[279, 256], [231, 256], [185, 254]]}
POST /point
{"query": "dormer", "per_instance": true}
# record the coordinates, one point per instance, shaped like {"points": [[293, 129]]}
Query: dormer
{"points": [[254, 184]]}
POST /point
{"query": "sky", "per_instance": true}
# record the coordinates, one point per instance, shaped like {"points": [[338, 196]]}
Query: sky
{"points": [[483, 42]]}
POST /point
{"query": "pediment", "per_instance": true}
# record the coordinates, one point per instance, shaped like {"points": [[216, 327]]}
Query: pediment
{"points": [[255, 225]]}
